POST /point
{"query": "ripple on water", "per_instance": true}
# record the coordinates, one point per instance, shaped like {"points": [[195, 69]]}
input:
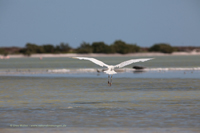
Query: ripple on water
{"points": [[90, 102]]}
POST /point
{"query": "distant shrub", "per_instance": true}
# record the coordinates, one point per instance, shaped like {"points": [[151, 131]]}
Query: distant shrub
{"points": [[162, 47], [84, 48], [100, 47], [123, 48]]}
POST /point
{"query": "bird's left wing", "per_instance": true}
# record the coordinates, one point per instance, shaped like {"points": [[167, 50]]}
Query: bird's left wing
{"points": [[98, 62], [128, 62]]}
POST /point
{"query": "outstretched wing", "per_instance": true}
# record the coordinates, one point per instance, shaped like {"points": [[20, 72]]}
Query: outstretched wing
{"points": [[98, 62], [128, 62]]}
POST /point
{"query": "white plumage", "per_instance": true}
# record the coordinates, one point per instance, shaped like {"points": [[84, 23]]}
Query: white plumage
{"points": [[111, 68], [128, 62], [98, 62]]}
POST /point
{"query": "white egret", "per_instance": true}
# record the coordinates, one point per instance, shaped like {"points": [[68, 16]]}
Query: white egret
{"points": [[111, 68]]}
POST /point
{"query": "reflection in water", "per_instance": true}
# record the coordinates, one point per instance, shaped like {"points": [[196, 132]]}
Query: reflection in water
{"points": [[139, 71]]}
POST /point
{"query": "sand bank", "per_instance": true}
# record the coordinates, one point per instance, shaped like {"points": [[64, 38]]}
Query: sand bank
{"points": [[101, 55]]}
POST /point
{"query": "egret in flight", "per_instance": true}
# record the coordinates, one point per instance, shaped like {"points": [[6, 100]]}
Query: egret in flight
{"points": [[111, 68]]}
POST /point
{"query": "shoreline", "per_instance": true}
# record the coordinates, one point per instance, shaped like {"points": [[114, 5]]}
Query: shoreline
{"points": [[99, 55]]}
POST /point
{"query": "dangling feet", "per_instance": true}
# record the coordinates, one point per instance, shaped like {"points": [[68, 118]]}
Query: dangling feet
{"points": [[108, 79], [111, 81]]}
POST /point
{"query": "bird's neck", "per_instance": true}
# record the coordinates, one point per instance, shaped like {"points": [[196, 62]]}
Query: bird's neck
{"points": [[111, 68]]}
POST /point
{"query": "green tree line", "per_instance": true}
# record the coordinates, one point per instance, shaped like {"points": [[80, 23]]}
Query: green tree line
{"points": [[47, 48], [118, 46], [100, 47], [96, 47]]}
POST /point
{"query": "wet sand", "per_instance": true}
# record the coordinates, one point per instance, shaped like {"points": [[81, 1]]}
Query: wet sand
{"points": [[103, 55]]}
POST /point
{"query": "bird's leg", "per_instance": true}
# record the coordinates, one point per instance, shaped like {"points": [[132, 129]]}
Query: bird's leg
{"points": [[108, 79], [111, 80]]}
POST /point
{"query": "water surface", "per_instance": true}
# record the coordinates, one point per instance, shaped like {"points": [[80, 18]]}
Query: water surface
{"points": [[151, 99]]}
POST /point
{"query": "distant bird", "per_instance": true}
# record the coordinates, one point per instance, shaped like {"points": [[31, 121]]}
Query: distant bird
{"points": [[98, 71], [111, 68], [138, 67]]}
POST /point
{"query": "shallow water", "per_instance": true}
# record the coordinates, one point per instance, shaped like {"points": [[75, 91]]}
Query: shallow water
{"points": [[150, 99], [60, 63], [90, 102]]}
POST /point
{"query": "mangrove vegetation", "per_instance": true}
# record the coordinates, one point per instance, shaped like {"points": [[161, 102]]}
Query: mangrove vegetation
{"points": [[117, 46]]}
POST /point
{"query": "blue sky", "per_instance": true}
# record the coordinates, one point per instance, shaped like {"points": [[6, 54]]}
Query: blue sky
{"points": [[144, 22]]}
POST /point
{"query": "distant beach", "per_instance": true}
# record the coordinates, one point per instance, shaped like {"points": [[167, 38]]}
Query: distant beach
{"points": [[101, 55]]}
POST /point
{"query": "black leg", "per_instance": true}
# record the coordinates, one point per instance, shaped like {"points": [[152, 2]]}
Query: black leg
{"points": [[108, 79], [111, 80]]}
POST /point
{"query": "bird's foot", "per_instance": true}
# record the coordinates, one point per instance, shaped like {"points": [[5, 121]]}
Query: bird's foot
{"points": [[110, 84]]}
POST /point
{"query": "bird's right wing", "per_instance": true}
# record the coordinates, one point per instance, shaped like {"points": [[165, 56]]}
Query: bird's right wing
{"points": [[125, 63], [98, 62]]}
